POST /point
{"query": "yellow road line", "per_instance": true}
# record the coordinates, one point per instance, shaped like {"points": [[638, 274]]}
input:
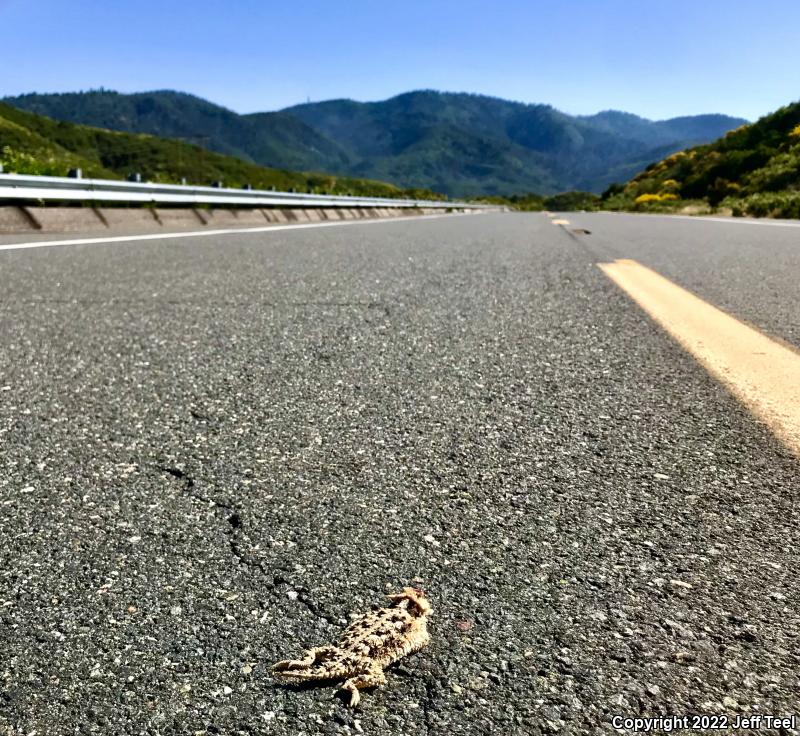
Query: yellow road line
{"points": [[560, 222], [760, 372]]}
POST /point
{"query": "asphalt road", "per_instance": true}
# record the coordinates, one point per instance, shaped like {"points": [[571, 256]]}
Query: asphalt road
{"points": [[213, 450]]}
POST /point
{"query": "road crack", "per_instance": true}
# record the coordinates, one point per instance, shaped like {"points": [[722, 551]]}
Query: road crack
{"points": [[274, 579], [428, 704]]}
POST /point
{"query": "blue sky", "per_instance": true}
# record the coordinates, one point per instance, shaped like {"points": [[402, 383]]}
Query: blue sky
{"points": [[657, 59]]}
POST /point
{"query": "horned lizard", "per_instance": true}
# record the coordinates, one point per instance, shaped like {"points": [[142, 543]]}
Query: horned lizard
{"points": [[367, 646]]}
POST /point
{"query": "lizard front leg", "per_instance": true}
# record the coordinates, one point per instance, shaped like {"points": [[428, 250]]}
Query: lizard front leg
{"points": [[373, 678], [312, 656]]}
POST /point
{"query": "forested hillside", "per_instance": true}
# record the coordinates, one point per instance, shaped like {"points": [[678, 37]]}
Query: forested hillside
{"points": [[35, 144], [753, 170]]}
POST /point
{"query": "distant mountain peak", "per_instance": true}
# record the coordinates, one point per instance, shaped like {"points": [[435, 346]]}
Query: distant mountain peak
{"points": [[615, 115]]}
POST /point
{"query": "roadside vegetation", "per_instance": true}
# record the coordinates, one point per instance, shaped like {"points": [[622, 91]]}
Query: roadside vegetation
{"points": [[563, 202], [34, 144], [751, 171]]}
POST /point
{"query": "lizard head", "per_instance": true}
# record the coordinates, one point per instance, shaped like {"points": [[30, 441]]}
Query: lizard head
{"points": [[417, 603]]}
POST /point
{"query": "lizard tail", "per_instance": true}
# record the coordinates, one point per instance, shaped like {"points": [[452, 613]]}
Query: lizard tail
{"points": [[301, 673]]}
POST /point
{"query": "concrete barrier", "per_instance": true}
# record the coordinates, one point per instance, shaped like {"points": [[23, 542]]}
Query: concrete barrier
{"points": [[124, 218], [67, 219], [180, 218], [275, 216], [219, 218], [231, 218], [16, 220], [249, 217]]}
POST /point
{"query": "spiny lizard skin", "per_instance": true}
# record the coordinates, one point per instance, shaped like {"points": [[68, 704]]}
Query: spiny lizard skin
{"points": [[367, 646]]}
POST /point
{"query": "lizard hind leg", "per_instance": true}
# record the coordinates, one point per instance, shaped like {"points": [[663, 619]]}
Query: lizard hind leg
{"points": [[367, 679], [312, 656]]}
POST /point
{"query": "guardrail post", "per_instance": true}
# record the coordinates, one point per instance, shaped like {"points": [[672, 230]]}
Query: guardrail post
{"points": [[75, 173], [136, 177]]}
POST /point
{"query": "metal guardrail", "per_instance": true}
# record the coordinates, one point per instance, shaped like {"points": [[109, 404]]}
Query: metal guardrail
{"points": [[56, 188]]}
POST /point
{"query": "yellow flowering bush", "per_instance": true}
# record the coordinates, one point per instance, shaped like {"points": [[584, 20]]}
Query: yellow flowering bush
{"points": [[661, 197], [795, 132], [21, 162], [735, 131], [675, 157]]}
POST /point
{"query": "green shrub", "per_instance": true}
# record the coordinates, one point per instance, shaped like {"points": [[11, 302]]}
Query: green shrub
{"points": [[571, 201], [766, 204]]}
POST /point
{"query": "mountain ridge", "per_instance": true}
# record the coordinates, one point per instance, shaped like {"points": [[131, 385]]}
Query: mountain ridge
{"points": [[463, 144]]}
